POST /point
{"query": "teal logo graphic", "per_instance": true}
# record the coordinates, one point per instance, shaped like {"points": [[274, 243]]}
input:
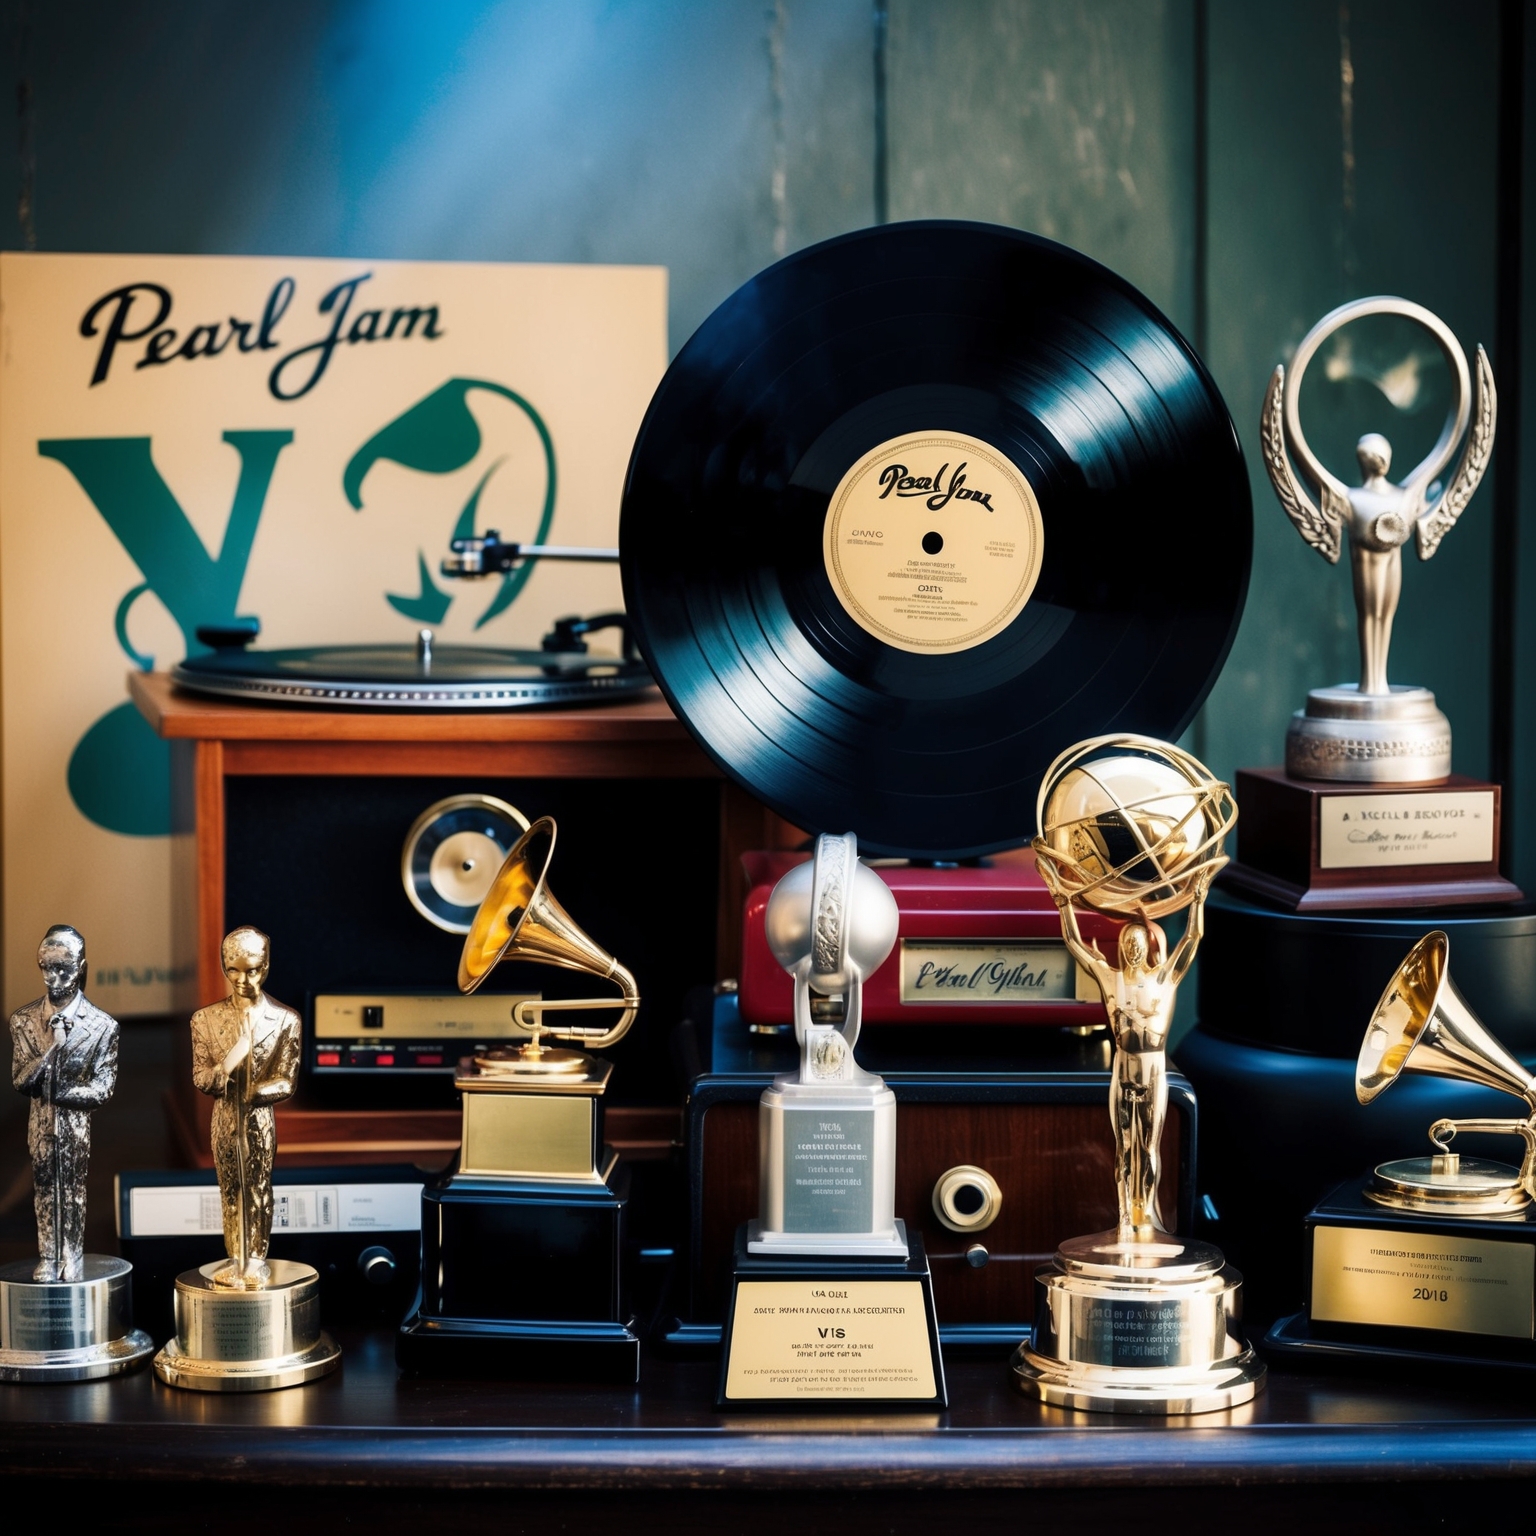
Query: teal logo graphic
{"points": [[119, 773], [437, 436]]}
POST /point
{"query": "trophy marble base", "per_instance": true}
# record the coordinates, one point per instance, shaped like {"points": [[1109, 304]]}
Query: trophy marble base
{"points": [[1311, 846], [521, 1280], [1344, 735], [1397, 1286], [247, 1341], [69, 1330], [831, 1331], [1138, 1328]]}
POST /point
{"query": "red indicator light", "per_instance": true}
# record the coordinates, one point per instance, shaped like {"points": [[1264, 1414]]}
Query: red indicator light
{"points": [[429, 1061], [386, 1060], [327, 1058]]}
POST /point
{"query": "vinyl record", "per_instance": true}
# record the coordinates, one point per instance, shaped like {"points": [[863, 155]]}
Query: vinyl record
{"points": [[919, 507]]}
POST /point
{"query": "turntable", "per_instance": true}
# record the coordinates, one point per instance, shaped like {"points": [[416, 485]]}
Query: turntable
{"points": [[426, 675]]}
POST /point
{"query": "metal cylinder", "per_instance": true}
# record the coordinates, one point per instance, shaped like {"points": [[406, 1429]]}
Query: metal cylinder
{"points": [[69, 1330], [230, 1340]]}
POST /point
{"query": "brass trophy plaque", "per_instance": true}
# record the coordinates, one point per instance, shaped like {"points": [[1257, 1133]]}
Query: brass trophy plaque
{"points": [[831, 1299], [68, 1315], [1432, 1256], [521, 1270], [1135, 1319], [246, 1323]]}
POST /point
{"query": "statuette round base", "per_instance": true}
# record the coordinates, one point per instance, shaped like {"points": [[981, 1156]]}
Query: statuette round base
{"points": [[1347, 736], [69, 1330], [1459, 1186], [247, 1341], [1146, 1328]]}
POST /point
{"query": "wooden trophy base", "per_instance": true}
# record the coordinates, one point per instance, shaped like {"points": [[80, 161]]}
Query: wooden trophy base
{"points": [[1313, 845]]}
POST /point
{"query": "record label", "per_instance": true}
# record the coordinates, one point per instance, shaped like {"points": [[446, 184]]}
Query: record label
{"points": [[933, 542]]}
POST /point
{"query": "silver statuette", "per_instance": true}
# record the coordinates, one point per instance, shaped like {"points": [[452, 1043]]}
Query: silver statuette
{"points": [[66, 1317], [1371, 731]]}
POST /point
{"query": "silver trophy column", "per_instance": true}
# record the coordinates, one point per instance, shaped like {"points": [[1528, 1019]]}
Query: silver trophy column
{"points": [[68, 1317], [828, 1133]]}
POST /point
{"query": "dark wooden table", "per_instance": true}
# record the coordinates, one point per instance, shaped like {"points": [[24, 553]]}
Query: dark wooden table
{"points": [[367, 1449]]}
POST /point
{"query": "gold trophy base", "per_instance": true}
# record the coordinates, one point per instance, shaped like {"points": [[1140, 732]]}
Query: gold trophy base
{"points": [[1450, 1184], [1138, 1327], [247, 1341]]}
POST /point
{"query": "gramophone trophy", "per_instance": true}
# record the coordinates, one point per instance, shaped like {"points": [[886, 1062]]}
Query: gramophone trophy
{"points": [[831, 1298], [246, 1323], [1135, 1319], [1432, 1256], [67, 1316], [1349, 822], [521, 1238]]}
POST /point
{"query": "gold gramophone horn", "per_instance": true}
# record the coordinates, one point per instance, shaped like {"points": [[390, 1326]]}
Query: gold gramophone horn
{"points": [[521, 920], [1423, 1024]]}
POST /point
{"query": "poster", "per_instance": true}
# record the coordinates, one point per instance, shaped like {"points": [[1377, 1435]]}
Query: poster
{"points": [[188, 439]]}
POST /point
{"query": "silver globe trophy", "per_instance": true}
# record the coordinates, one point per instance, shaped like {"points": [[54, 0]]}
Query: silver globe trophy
{"points": [[830, 924], [1135, 1319], [831, 1299], [1371, 731]]}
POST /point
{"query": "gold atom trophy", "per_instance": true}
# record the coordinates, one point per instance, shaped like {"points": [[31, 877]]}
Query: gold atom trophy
{"points": [[1135, 1319]]}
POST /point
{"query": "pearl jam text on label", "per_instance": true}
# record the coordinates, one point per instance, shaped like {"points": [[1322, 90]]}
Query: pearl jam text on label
{"points": [[896, 477], [139, 312]]}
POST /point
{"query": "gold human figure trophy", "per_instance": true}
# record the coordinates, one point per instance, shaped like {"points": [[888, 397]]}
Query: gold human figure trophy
{"points": [[1139, 995], [1138, 1318], [245, 1054]]}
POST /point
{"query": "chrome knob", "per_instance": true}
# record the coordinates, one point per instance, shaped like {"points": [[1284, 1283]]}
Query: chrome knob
{"points": [[967, 1199], [976, 1256], [377, 1266]]}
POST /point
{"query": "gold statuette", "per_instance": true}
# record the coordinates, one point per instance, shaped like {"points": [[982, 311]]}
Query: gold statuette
{"points": [[247, 1323], [1135, 1319]]}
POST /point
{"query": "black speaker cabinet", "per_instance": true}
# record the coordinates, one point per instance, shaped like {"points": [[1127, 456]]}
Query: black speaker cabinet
{"points": [[1043, 1138]]}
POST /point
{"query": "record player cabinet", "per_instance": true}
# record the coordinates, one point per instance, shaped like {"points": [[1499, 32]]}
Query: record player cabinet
{"points": [[216, 744]]}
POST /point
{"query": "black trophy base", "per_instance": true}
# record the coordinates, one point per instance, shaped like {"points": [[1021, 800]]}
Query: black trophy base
{"points": [[521, 1280], [831, 1332], [464, 1349], [1376, 1272]]}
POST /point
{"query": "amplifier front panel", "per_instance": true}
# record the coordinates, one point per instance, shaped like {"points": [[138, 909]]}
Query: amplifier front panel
{"points": [[1053, 1163]]}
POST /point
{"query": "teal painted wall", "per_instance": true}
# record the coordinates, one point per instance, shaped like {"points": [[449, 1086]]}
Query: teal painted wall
{"points": [[1248, 166]]}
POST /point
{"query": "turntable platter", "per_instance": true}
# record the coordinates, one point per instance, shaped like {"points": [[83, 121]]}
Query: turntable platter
{"points": [[451, 677]]}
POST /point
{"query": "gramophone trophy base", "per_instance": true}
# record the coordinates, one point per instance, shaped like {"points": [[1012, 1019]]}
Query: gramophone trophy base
{"points": [[247, 1341], [69, 1330], [1415, 1286], [1312, 846], [1345, 736], [521, 1280], [830, 1331], [1162, 1337]]}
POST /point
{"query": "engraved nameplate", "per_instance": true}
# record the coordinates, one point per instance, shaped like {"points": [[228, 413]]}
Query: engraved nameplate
{"points": [[1121, 1332], [1443, 826], [828, 1183], [829, 1339], [1414, 1280], [976, 972]]}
